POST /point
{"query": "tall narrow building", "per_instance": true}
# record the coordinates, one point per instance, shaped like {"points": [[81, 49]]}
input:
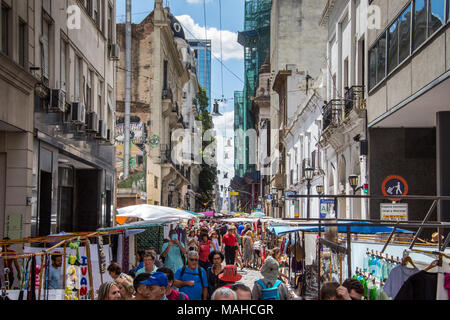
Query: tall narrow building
{"points": [[256, 41], [202, 51]]}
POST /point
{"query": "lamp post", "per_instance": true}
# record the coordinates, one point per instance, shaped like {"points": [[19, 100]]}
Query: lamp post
{"points": [[309, 174], [353, 180], [171, 190]]}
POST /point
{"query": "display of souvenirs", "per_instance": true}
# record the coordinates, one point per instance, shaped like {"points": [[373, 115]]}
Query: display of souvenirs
{"points": [[101, 256]]}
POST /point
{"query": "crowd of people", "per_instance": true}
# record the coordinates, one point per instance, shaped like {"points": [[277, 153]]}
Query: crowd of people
{"points": [[206, 266]]}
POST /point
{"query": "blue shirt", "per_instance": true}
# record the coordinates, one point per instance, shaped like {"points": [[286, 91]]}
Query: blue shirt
{"points": [[142, 270], [55, 278], [194, 292], [174, 260]]}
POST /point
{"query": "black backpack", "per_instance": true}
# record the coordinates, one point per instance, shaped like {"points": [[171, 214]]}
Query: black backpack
{"points": [[199, 274]]}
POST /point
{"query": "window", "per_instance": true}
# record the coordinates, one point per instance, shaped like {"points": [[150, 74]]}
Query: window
{"points": [[45, 50], [393, 46], [429, 16], [63, 68], [404, 35], [78, 75], [22, 42], [99, 99], [155, 182], [5, 30], [166, 66], [110, 25], [420, 22], [89, 102], [377, 62], [436, 15]]}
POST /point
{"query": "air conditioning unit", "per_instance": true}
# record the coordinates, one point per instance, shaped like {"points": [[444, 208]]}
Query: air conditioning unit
{"points": [[108, 136], [57, 101], [114, 51], [92, 122], [102, 130], [78, 113]]}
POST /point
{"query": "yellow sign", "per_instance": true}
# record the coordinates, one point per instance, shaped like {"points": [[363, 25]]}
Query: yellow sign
{"points": [[296, 215], [234, 193]]}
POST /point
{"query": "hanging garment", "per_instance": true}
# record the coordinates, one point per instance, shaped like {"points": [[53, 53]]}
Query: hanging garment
{"points": [[397, 278], [420, 286], [31, 295], [296, 266], [443, 284]]}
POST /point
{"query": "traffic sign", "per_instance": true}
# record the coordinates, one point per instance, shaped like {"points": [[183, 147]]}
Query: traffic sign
{"points": [[394, 186], [394, 211], [269, 197], [326, 208]]}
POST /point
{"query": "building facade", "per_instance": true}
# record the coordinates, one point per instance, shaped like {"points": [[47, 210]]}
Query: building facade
{"points": [[343, 134], [202, 52], [297, 57], [70, 177], [159, 77], [407, 103], [17, 85]]}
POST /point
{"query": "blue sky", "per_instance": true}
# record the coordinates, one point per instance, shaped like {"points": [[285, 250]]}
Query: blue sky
{"points": [[232, 20], [191, 15]]}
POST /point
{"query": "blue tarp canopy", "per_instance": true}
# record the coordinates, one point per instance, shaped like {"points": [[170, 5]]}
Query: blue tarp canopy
{"points": [[369, 229]]}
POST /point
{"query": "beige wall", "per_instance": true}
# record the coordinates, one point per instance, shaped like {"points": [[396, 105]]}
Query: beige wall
{"points": [[422, 68]]}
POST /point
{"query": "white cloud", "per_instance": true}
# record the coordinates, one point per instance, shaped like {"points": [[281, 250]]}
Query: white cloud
{"points": [[224, 125], [231, 48]]}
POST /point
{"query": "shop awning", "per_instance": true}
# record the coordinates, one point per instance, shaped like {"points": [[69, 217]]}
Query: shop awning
{"points": [[369, 229]]}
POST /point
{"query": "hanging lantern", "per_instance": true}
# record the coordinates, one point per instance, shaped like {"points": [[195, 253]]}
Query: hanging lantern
{"points": [[216, 109]]}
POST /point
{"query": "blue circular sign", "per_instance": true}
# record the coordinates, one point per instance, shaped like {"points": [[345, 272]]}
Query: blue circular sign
{"points": [[394, 186]]}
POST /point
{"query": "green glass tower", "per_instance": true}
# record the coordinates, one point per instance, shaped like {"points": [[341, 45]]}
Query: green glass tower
{"points": [[256, 41]]}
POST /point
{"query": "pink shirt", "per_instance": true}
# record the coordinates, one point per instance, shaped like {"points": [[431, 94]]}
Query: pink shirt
{"points": [[205, 249]]}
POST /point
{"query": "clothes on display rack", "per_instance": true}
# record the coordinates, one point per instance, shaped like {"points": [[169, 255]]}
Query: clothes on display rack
{"points": [[443, 291], [420, 286], [397, 278]]}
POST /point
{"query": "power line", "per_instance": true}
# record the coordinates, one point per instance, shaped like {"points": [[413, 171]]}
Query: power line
{"points": [[221, 50], [192, 34]]}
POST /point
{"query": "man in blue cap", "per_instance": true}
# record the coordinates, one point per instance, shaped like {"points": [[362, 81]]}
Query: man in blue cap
{"points": [[156, 286]]}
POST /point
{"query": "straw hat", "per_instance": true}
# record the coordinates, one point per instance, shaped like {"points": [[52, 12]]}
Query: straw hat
{"points": [[435, 237], [230, 274], [270, 269]]}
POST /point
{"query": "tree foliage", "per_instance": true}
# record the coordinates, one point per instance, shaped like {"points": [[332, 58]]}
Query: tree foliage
{"points": [[208, 175]]}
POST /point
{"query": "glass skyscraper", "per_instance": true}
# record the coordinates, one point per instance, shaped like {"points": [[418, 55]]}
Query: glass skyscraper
{"points": [[202, 49]]}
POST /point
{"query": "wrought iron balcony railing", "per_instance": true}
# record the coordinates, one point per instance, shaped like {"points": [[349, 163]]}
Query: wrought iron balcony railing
{"points": [[332, 113], [354, 99]]}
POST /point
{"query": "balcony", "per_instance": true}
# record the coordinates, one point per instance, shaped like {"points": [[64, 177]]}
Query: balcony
{"points": [[332, 114], [354, 99]]}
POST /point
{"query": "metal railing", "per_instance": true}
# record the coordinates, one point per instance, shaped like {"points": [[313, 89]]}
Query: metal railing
{"points": [[332, 113], [354, 99]]}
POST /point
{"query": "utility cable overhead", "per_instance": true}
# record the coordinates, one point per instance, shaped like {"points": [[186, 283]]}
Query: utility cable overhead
{"points": [[195, 38]]}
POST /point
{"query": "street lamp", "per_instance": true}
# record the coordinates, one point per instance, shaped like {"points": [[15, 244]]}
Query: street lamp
{"points": [[309, 174], [353, 180], [171, 189], [319, 190]]}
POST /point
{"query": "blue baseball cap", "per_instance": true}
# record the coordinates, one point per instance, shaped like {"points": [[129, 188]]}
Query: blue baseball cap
{"points": [[157, 279]]}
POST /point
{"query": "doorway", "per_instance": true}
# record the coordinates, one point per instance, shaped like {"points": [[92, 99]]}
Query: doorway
{"points": [[45, 203]]}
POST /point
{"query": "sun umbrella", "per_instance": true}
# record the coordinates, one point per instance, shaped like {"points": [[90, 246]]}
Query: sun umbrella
{"points": [[151, 213]]}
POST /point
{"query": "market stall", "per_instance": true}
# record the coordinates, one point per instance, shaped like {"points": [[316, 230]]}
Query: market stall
{"points": [[339, 250], [84, 261]]}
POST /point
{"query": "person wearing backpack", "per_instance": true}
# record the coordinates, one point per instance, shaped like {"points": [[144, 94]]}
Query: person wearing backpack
{"points": [[171, 293], [270, 287], [192, 279]]}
